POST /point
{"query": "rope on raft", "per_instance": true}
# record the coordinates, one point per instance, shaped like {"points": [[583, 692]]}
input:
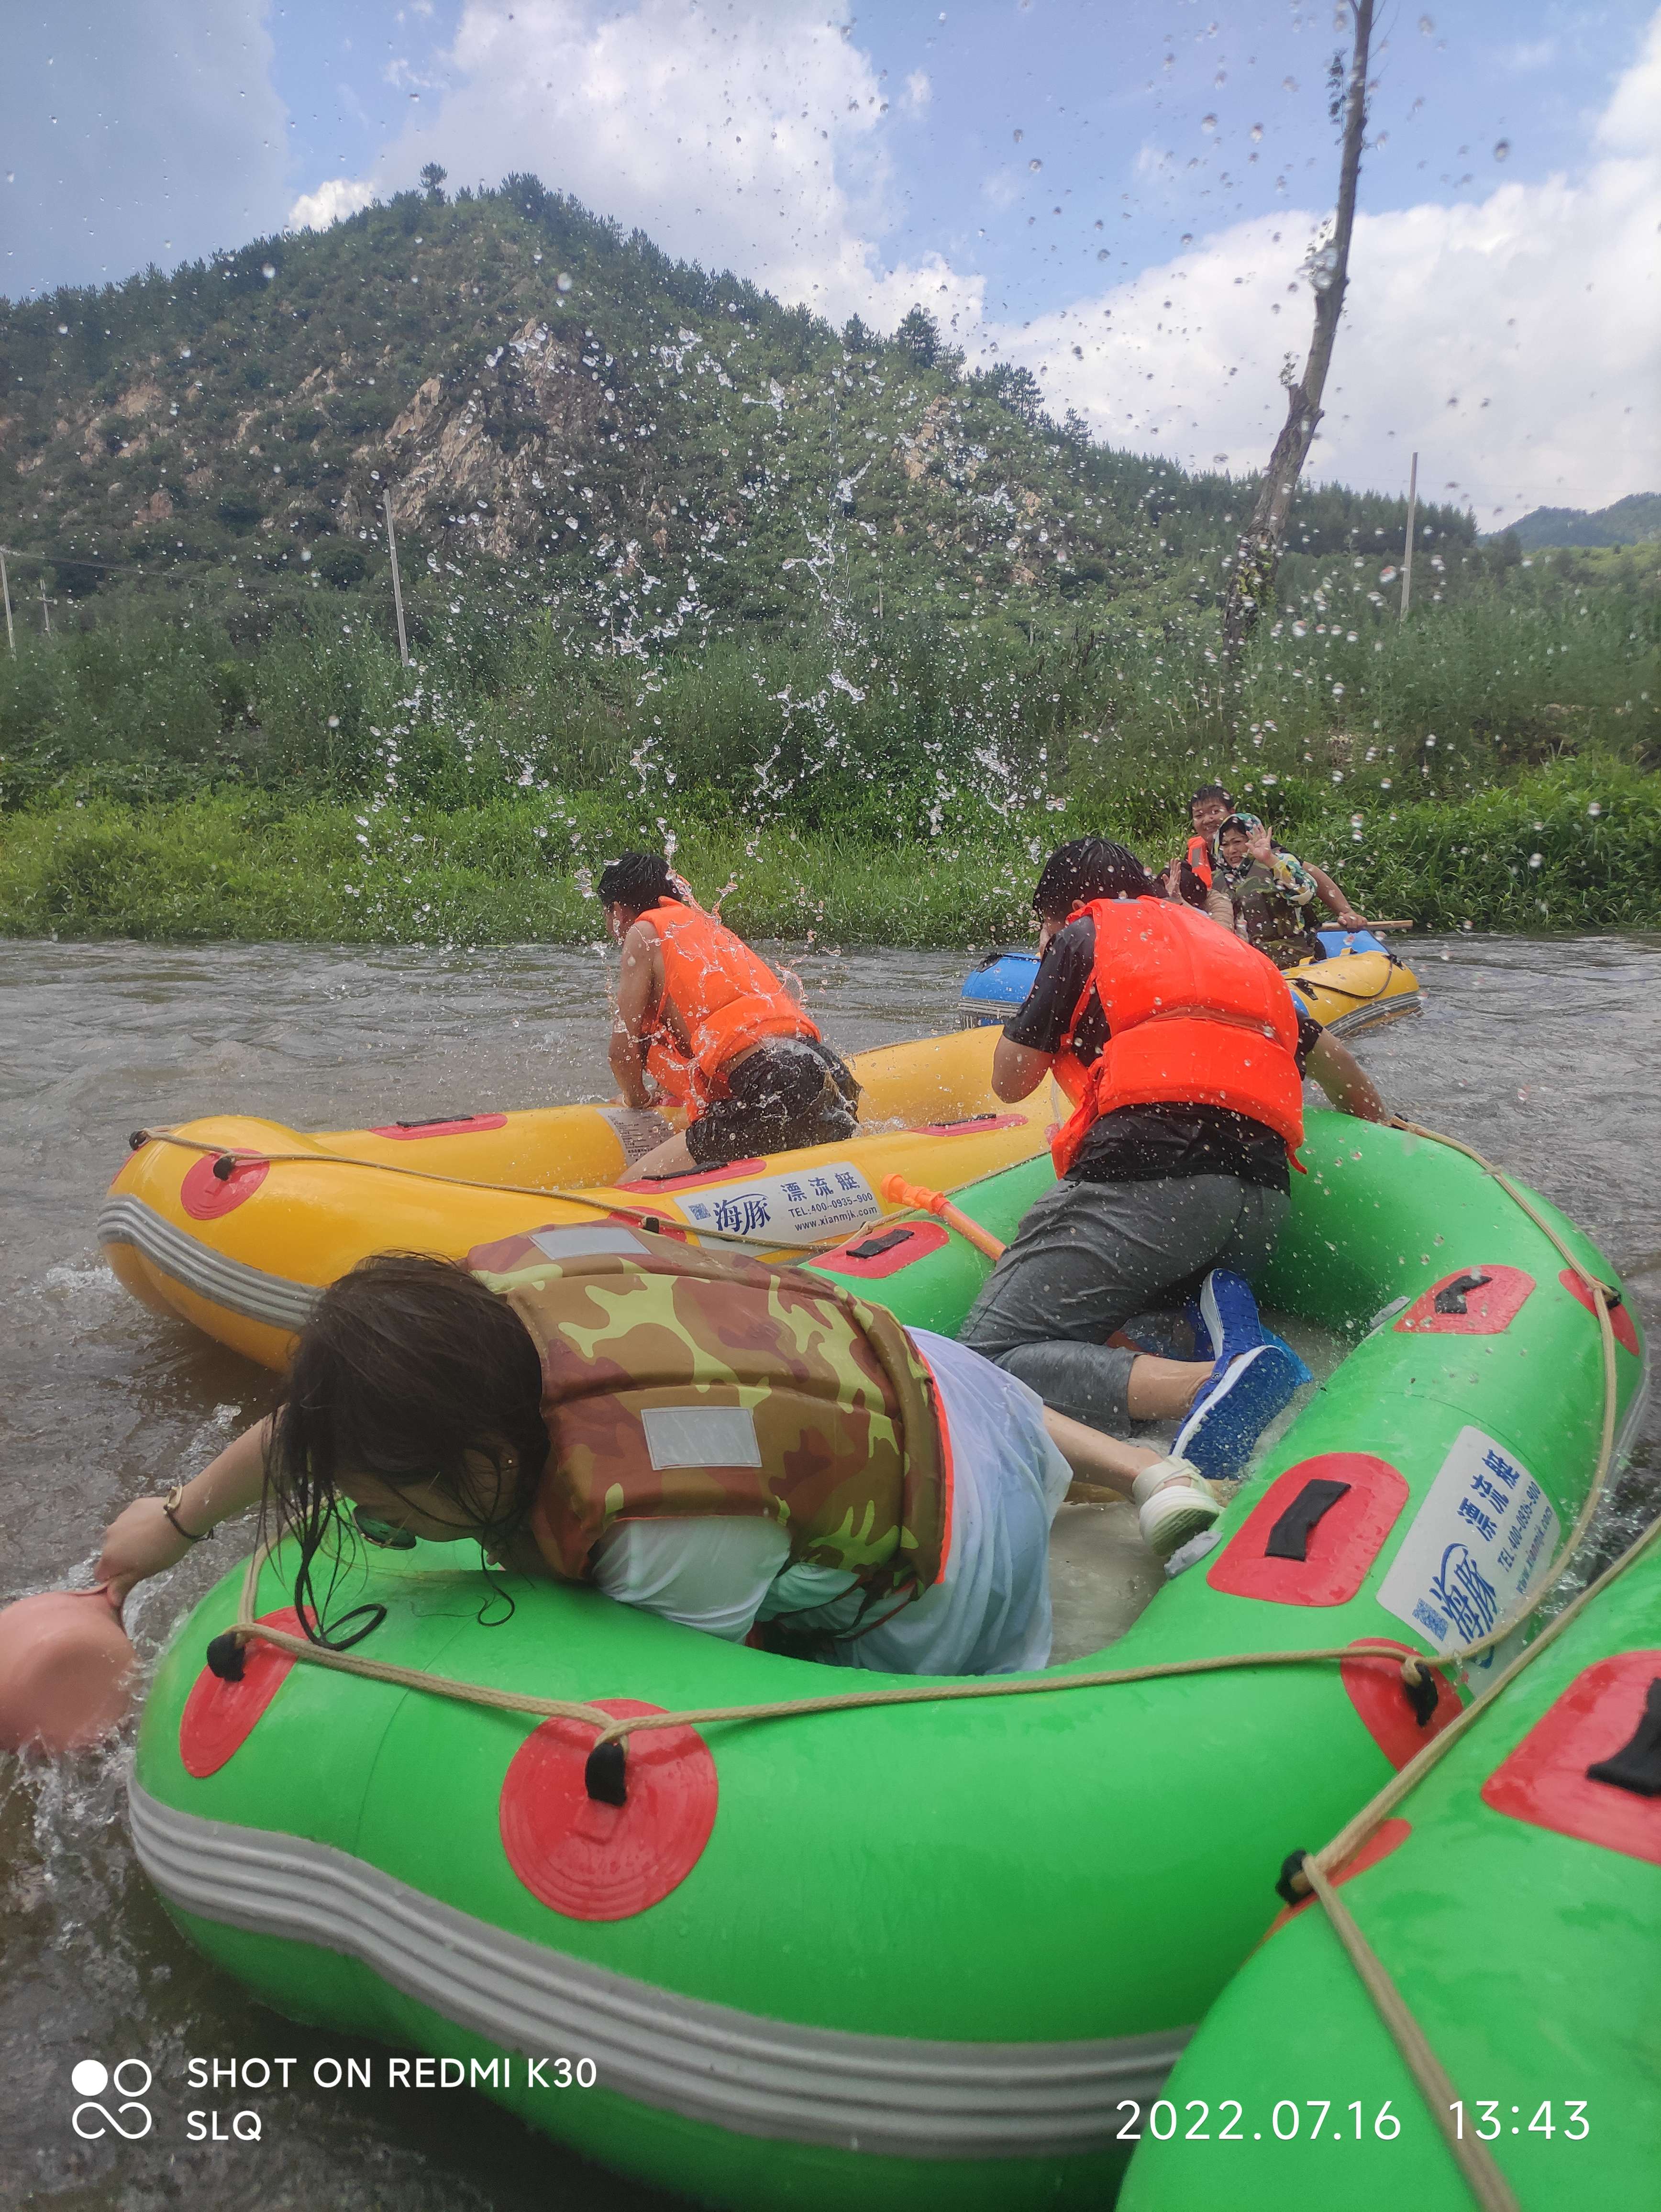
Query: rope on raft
{"points": [[1306, 1872], [648, 1217]]}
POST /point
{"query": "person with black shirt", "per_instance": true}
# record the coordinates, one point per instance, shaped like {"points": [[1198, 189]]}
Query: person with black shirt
{"points": [[1184, 1051]]}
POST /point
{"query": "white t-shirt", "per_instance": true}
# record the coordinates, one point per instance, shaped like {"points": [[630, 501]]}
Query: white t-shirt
{"points": [[988, 1613]]}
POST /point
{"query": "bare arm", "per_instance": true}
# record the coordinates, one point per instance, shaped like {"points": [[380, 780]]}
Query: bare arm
{"points": [[142, 1541], [1333, 897], [1220, 907], [639, 985], [1018, 1069], [1344, 1080]]}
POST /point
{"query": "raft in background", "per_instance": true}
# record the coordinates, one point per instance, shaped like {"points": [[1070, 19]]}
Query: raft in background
{"points": [[1514, 1897], [918, 1956], [1360, 984], [238, 1224]]}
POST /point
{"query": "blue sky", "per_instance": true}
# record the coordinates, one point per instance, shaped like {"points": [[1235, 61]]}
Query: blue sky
{"points": [[1117, 194]]}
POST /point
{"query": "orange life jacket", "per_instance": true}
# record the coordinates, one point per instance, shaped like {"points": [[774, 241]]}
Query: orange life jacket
{"points": [[727, 999], [1199, 859], [1194, 1018]]}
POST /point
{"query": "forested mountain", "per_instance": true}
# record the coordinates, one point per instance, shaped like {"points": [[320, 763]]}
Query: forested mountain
{"points": [[563, 416], [1634, 520]]}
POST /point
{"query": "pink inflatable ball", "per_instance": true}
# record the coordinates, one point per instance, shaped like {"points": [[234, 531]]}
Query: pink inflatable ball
{"points": [[67, 1672]]}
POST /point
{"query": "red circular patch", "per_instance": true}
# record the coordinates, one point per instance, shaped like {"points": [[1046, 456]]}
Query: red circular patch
{"points": [[1377, 1692], [219, 1716], [205, 1197], [593, 1861]]}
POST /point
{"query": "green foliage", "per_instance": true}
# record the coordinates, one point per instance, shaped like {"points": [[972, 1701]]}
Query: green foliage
{"points": [[513, 871]]}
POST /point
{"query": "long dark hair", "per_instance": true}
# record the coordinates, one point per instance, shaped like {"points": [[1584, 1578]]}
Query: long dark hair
{"points": [[406, 1365]]}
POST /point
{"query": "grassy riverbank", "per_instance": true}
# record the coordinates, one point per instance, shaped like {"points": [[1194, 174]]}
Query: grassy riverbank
{"points": [[1572, 846]]}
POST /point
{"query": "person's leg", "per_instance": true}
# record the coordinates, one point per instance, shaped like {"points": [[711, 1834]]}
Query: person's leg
{"points": [[671, 1157], [1088, 1257]]}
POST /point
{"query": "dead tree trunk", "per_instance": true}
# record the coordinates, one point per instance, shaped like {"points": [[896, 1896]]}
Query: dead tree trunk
{"points": [[1257, 558]]}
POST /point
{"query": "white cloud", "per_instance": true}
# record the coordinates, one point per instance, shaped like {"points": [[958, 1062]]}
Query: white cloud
{"points": [[334, 200], [751, 141], [1514, 344]]}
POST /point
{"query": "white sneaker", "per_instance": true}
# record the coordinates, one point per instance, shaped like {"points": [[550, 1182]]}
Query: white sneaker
{"points": [[1175, 1502]]}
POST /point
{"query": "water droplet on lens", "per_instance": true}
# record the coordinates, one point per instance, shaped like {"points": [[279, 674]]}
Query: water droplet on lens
{"points": [[1256, 132], [563, 282], [1207, 122], [1102, 254], [63, 330], [267, 271], [1019, 135], [1187, 238], [1035, 164], [1502, 149], [1425, 27]]}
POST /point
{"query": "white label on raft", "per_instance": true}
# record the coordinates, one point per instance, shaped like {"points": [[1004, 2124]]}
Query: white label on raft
{"points": [[826, 1201], [1483, 1538]]}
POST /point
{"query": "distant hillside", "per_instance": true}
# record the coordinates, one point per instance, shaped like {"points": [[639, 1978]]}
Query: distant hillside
{"points": [[654, 450], [1632, 521]]}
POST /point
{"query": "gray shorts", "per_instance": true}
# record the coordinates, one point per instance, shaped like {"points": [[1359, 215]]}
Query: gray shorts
{"points": [[1091, 1256]]}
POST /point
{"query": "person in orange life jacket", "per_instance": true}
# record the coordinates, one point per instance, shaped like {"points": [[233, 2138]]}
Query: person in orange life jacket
{"points": [[1183, 1052], [715, 1030], [420, 1402], [1188, 877]]}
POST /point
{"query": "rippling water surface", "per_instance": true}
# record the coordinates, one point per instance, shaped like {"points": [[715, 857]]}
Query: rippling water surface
{"points": [[1541, 1052]]}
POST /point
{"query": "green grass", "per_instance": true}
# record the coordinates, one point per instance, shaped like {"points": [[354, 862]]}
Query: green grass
{"points": [[229, 866]]}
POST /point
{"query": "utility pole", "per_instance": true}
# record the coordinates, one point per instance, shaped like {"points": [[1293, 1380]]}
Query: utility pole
{"points": [[5, 593], [1257, 554], [1407, 550], [398, 589]]}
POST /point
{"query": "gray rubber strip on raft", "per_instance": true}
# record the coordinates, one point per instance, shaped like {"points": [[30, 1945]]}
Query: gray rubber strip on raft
{"points": [[885, 2095], [212, 1275]]}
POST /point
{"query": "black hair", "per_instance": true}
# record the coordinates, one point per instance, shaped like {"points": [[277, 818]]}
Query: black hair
{"points": [[1211, 791], [1090, 868], [637, 881], [407, 1364]]}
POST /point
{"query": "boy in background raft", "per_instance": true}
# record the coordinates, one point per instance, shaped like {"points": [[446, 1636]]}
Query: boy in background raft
{"points": [[715, 1030], [1183, 1053]]}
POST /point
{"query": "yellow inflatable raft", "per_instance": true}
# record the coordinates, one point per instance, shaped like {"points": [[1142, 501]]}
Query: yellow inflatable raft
{"points": [[235, 1222]]}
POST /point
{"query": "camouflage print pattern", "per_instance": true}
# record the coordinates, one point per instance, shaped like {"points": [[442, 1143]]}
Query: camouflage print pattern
{"points": [[1266, 916], [853, 1457]]}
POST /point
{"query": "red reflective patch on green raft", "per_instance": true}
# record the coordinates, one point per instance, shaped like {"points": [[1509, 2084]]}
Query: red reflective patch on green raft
{"points": [[205, 1196], [219, 1716], [1341, 1546], [1377, 1692], [1388, 1836], [596, 1862], [1486, 1309], [1544, 1780], [1620, 1321]]}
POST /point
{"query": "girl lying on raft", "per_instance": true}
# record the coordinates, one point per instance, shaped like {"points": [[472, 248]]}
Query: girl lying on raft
{"points": [[877, 1498]]}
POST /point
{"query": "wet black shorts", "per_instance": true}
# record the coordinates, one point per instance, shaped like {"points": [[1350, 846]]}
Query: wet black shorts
{"points": [[788, 1092]]}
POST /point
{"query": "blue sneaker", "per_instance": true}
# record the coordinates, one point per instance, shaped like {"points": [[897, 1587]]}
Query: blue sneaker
{"points": [[1228, 1323], [1235, 1405], [1230, 1300]]}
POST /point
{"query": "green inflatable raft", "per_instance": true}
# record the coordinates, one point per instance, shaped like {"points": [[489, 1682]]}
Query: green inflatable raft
{"points": [[918, 1954], [1514, 1897]]}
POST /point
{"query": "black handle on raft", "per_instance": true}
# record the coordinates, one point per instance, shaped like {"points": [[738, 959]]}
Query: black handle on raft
{"points": [[225, 1656], [1422, 1693], [606, 1776], [1637, 1766], [137, 1140], [1451, 1298], [225, 1166], [1291, 1872], [1289, 1538], [874, 1247]]}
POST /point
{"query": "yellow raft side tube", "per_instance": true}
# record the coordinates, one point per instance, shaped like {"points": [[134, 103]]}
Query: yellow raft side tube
{"points": [[1354, 991], [235, 1222]]}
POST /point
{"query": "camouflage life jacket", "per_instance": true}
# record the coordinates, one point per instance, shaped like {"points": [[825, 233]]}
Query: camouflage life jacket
{"points": [[678, 1382], [1267, 918]]}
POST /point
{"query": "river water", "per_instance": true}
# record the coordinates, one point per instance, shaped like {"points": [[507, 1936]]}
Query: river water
{"points": [[1540, 1052]]}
